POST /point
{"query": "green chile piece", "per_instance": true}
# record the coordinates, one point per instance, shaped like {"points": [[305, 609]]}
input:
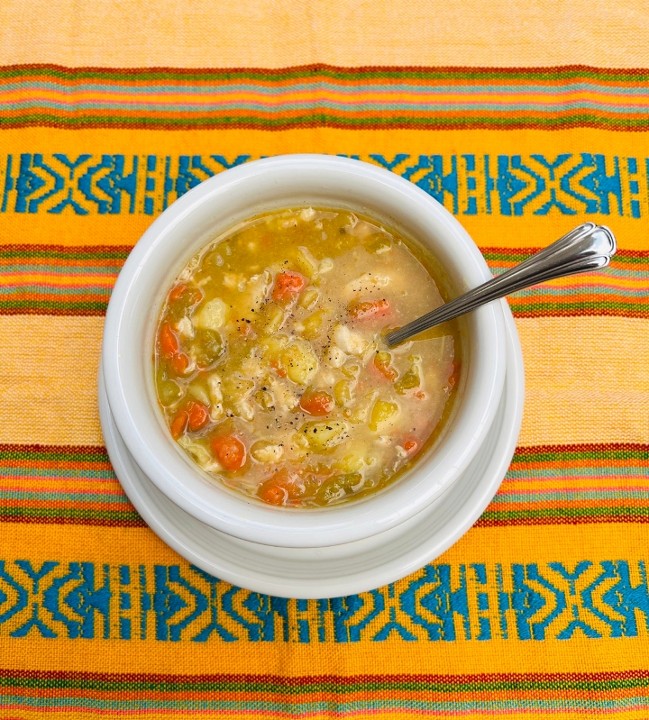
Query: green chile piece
{"points": [[337, 487]]}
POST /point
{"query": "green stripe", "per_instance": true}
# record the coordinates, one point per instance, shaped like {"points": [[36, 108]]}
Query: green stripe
{"points": [[430, 73], [53, 454], [567, 512], [9, 251], [596, 453], [69, 514], [68, 305], [271, 121], [250, 685]]}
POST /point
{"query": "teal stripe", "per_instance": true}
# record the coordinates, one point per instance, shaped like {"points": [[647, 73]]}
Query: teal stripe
{"points": [[277, 87], [624, 272], [543, 108], [593, 288], [58, 473], [591, 703], [570, 496], [564, 473]]}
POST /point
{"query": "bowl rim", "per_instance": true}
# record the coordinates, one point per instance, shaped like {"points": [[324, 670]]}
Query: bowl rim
{"points": [[124, 358]]}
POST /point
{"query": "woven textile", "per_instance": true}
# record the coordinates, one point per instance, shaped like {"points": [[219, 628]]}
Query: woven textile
{"points": [[523, 122]]}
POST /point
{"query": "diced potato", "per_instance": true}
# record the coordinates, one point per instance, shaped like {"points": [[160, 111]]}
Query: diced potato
{"points": [[313, 324], [335, 356], [272, 347], [212, 315], [382, 413], [198, 391], [349, 340], [324, 435], [299, 361], [264, 451], [185, 327]]}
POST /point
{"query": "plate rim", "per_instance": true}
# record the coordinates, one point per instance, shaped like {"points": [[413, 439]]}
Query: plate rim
{"points": [[133, 481]]}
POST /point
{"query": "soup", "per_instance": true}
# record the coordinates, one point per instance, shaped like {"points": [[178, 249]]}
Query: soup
{"points": [[270, 366]]}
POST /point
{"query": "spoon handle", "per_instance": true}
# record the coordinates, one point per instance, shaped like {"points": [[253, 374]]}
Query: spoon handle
{"points": [[587, 247]]}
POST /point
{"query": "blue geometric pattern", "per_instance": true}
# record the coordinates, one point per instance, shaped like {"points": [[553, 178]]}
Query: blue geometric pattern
{"points": [[467, 184], [440, 603]]}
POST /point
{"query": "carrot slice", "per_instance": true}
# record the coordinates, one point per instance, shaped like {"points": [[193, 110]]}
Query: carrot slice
{"points": [[382, 364], [179, 424], [168, 341], [230, 451], [177, 292], [288, 285], [370, 309], [180, 363], [281, 487], [317, 402], [198, 415]]}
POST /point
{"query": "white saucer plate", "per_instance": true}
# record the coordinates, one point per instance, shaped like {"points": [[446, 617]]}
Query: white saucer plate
{"points": [[341, 569]]}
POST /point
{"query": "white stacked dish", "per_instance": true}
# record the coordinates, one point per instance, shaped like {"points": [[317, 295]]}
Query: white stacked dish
{"points": [[283, 551]]}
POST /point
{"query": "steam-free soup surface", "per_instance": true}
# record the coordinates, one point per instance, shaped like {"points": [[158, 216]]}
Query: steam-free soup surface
{"points": [[270, 366]]}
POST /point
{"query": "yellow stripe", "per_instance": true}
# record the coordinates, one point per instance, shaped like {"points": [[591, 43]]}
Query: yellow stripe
{"points": [[265, 34], [480, 545], [586, 380], [582, 383], [49, 370], [491, 229]]}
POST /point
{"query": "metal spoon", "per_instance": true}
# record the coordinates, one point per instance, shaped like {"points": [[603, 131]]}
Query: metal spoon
{"points": [[587, 247]]}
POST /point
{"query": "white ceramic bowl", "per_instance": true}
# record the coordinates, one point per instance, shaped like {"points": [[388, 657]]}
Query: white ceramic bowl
{"points": [[215, 206]]}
